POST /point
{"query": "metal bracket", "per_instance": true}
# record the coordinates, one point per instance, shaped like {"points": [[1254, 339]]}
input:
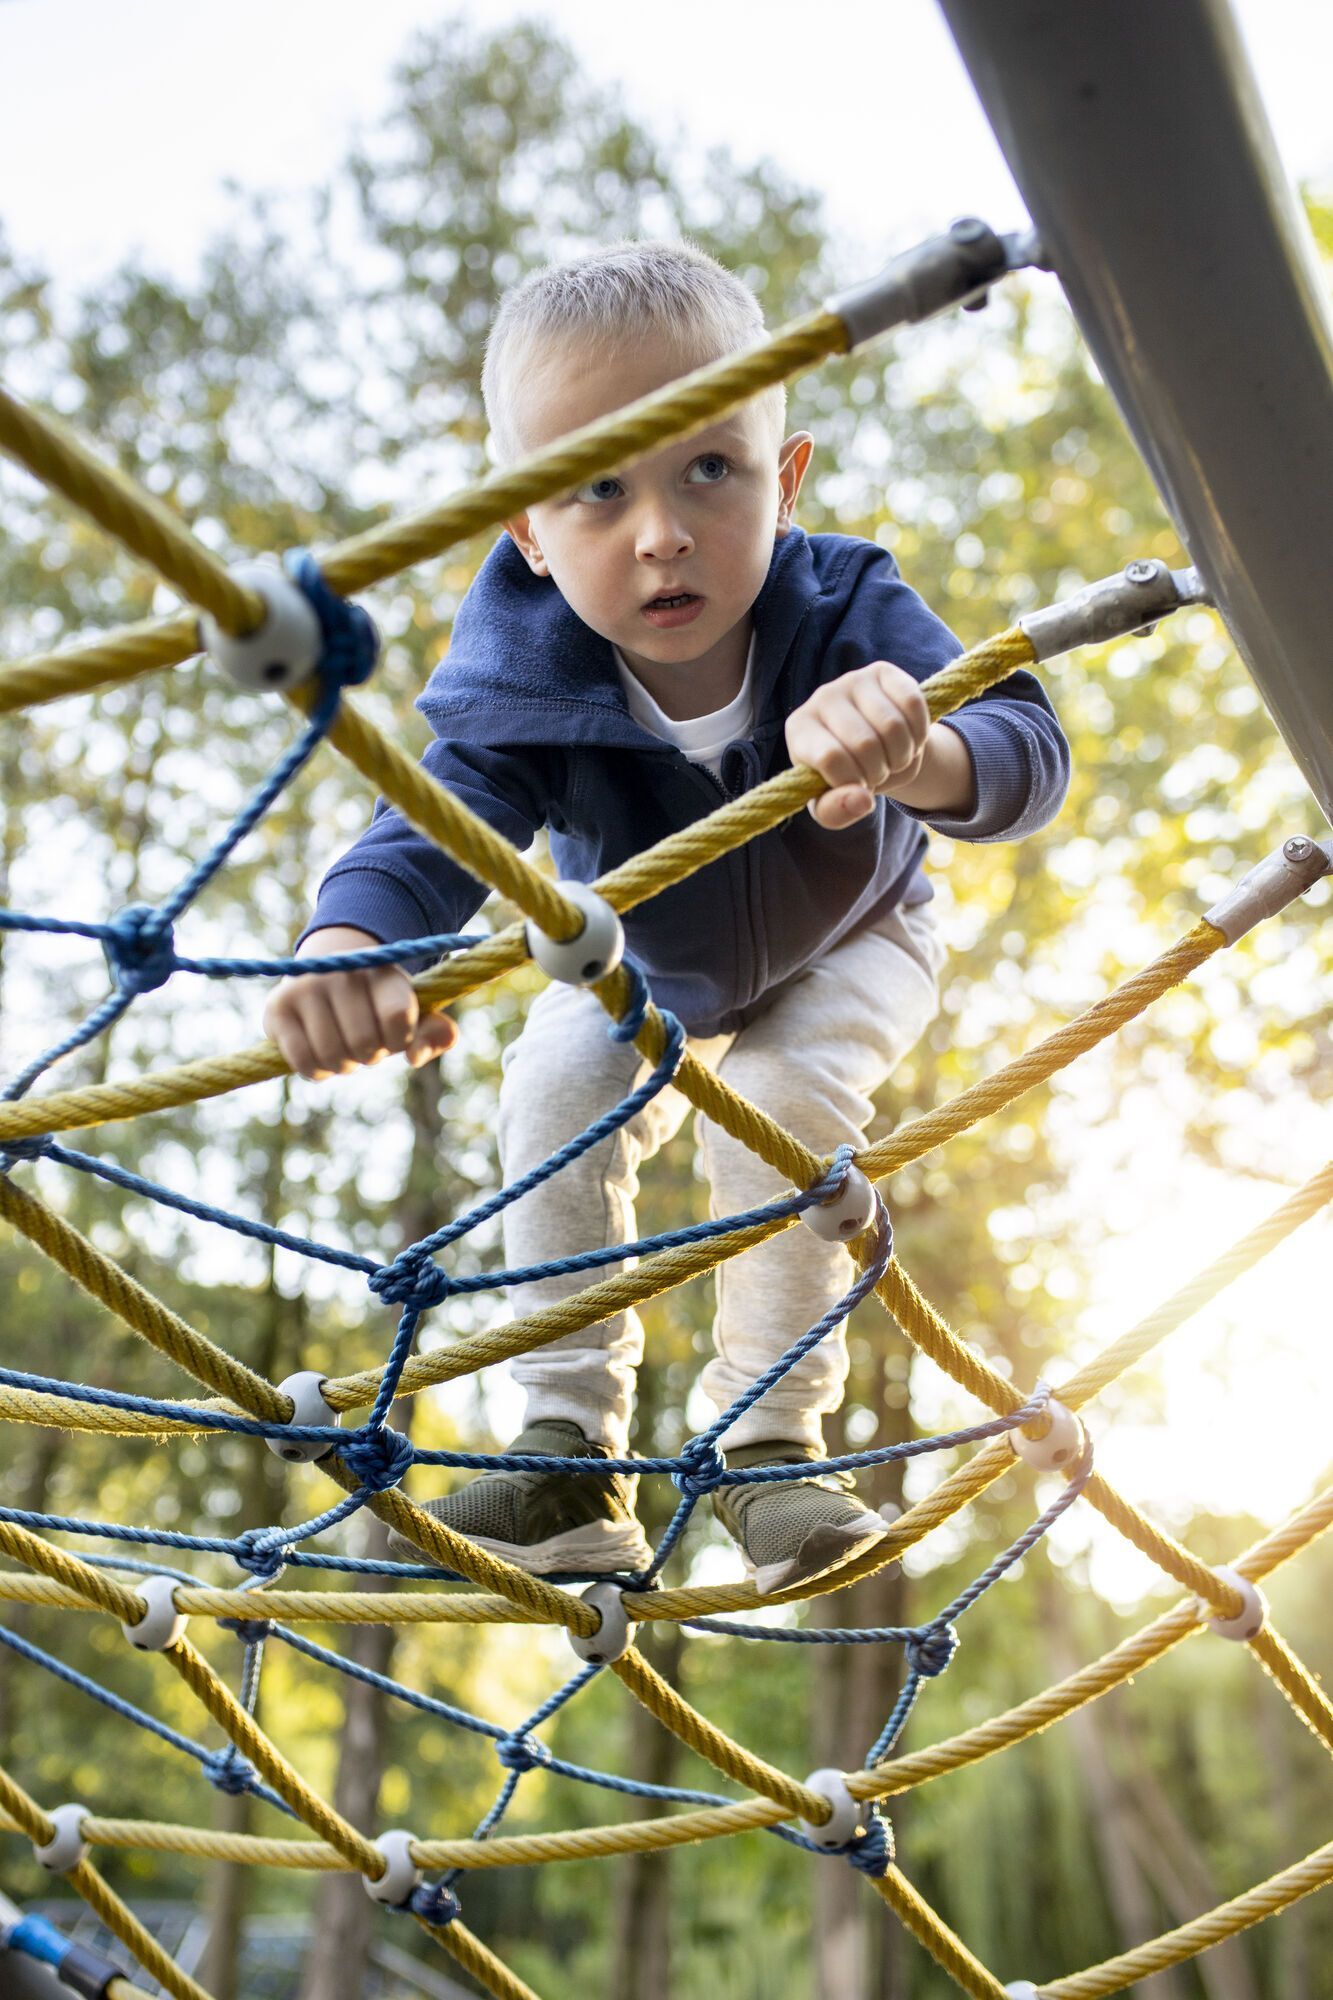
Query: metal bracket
{"points": [[1113, 607], [1269, 886], [956, 269]]}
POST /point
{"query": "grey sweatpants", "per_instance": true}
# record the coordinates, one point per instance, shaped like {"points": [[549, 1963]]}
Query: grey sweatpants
{"points": [[811, 1060]]}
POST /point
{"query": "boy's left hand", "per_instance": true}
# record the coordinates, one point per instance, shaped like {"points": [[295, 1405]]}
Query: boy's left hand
{"points": [[868, 733]]}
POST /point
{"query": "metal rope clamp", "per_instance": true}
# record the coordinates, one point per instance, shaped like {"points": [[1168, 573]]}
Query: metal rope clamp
{"points": [[162, 1625], [593, 952], [284, 649], [67, 1847]]}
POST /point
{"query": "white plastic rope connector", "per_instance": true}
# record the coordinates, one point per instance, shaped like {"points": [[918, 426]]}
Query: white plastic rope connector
{"points": [[1250, 1620], [613, 1636], [401, 1874], [280, 652], [306, 1390], [849, 1815], [597, 950], [67, 1847], [1061, 1445], [162, 1624], [1022, 1989], [847, 1214]]}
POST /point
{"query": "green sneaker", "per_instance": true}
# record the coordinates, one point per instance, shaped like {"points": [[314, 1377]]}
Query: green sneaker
{"points": [[546, 1521], [793, 1529]]}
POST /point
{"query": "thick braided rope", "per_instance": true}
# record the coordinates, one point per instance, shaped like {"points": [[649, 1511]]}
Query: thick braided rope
{"points": [[102, 1592], [125, 655], [1095, 1375], [105, 1281], [676, 411], [932, 1334], [1297, 1684], [1120, 1664], [694, 1730], [888, 1780], [483, 1965], [947, 1950], [28, 1817], [1104, 1018], [140, 523], [1277, 1893]]}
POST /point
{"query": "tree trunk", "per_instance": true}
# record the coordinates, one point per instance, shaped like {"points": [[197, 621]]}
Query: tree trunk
{"points": [[337, 1963], [1129, 1890], [641, 1927], [857, 1944], [642, 1907]]}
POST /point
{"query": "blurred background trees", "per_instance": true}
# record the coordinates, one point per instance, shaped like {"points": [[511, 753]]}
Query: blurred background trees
{"points": [[312, 379]]}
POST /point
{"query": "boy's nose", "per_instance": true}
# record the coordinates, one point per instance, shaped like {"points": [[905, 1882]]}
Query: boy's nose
{"points": [[661, 537]]}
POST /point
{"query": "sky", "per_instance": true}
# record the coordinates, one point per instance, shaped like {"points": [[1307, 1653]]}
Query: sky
{"points": [[120, 125]]}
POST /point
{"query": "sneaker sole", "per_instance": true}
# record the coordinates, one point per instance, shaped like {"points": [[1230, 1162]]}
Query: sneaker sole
{"points": [[601, 1548], [825, 1550]]}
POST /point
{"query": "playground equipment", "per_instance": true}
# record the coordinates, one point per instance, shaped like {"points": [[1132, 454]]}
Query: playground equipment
{"points": [[829, 1812]]}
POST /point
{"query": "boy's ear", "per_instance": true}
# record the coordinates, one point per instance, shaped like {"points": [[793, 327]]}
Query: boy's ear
{"points": [[520, 532], [793, 458]]}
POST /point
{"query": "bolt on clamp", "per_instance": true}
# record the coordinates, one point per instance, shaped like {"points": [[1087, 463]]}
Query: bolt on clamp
{"points": [[592, 952], [1112, 608], [955, 269], [1274, 882]]}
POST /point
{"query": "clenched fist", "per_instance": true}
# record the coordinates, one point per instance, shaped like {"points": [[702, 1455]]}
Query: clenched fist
{"points": [[327, 1024], [869, 734]]}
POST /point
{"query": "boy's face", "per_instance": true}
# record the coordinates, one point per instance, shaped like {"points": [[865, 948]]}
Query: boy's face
{"points": [[666, 558]]}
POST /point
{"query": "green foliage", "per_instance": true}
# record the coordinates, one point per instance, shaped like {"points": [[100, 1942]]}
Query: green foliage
{"points": [[314, 378]]}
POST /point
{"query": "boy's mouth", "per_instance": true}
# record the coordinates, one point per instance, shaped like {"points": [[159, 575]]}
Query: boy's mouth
{"points": [[671, 608]]}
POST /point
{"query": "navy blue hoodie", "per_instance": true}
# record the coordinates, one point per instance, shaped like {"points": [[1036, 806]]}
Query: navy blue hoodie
{"points": [[532, 730]]}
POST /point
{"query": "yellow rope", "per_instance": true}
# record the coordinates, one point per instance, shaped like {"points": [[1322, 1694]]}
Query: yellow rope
{"points": [[1278, 1893], [1297, 1684], [947, 1950], [25, 1813], [123, 655], [104, 1280], [141, 524], [675, 411]]}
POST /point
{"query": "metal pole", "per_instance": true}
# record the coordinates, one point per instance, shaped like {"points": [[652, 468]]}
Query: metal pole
{"points": [[1135, 132]]}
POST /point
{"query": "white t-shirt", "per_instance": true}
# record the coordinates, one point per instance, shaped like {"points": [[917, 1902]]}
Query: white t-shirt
{"points": [[704, 737]]}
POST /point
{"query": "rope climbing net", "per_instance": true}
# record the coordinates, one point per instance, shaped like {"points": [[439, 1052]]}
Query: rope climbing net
{"points": [[831, 1813]]}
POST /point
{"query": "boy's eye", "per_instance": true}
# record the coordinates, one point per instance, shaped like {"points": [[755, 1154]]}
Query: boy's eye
{"points": [[708, 469], [598, 491]]}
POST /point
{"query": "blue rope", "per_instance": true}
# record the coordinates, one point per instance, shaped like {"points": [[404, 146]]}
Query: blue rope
{"points": [[208, 1759]]}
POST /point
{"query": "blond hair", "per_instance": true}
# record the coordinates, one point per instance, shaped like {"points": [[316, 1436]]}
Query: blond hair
{"points": [[627, 289]]}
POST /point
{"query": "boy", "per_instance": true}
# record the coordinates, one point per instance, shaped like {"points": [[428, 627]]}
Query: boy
{"points": [[629, 656]]}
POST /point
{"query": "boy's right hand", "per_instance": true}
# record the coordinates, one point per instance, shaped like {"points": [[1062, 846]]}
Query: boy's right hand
{"points": [[325, 1024]]}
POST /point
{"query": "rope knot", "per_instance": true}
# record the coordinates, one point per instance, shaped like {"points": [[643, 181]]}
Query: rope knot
{"points": [[702, 1467], [263, 1559], [379, 1458], [930, 1649], [522, 1751], [229, 1771], [413, 1280], [871, 1853], [140, 949], [434, 1904], [351, 643], [250, 1631]]}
